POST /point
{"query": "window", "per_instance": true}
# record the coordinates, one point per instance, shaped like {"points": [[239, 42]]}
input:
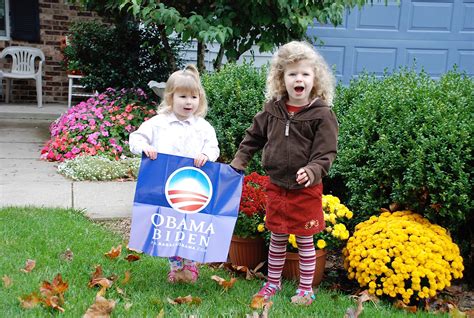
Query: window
{"points": [[25, 25], [4, 20]]}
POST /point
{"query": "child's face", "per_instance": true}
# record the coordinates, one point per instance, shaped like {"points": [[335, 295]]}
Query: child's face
{"points": [[299, 81], [185, 103]]}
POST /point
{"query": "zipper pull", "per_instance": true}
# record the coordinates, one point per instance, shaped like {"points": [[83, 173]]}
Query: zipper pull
{"points": [[287, 128]]}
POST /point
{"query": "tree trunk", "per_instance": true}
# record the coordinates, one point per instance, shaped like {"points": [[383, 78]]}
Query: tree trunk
{"points": [[168, 50], [218, 61], [201, 53]]}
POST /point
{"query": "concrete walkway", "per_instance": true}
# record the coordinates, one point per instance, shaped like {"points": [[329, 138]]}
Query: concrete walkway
{"points": [[27, 180]]}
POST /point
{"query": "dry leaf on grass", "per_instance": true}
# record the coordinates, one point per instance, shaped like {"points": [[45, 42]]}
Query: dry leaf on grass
{"points": [[132, 257], [161, 314], [114, 252], [134, 250], [7, 281], [101, 308], [67, 255], [224, 283], [258, 302], [361, 298], [98, 279], [54, 302], [185, 300], [454, 312], [401, 305], [53, 292], [265, 311], [126, 279], [249, 273], [30, 301], [52, 295], [184, 276], [29, 265], [127, 306]]}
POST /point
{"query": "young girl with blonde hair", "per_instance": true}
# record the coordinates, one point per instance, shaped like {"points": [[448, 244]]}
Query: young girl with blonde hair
{"points": [[297, 131], [179, 129]]}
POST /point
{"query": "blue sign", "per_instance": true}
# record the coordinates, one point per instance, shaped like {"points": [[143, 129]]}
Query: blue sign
{"points": [[181, 210]]}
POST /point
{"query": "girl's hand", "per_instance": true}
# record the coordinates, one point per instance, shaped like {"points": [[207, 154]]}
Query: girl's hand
{"points": [[200, 160], [150, 152], [302, 177]]}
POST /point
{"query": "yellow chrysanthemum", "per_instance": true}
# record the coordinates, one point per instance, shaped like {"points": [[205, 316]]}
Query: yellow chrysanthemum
{"points": [[261, 227], [321, 244], [410, 257]]}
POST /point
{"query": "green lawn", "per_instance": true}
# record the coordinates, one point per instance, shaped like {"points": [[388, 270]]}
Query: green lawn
{"points": [[43, 234]]}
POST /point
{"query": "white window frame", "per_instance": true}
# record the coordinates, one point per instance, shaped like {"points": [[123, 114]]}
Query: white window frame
{"points": [[6, 37]]}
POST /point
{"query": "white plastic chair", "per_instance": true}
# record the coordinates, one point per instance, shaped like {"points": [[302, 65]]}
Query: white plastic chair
{"points": [[23, 67]]}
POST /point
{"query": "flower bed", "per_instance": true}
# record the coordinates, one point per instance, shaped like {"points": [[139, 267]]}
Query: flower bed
{"points": [[252, 206], [402, 255], [99, 126]]}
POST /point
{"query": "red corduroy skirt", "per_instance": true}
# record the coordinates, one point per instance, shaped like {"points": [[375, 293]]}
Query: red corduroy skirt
{"points": [[298, 212]]}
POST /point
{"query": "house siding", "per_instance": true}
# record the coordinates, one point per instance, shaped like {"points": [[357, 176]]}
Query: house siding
{"points": [[429, 35]]}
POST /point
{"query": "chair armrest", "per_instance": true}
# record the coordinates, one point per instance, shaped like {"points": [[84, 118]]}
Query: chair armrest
{"points": [[40, 69]]}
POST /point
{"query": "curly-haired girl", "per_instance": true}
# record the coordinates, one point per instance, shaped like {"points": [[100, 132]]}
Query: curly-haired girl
{"points": [[298, 133]]}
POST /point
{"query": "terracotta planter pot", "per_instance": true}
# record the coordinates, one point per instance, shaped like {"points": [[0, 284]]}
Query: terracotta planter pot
{"points": [[247, 251], [291, 269]]}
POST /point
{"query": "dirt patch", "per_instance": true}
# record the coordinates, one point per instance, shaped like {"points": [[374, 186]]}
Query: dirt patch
{"points": [[119, 226]]}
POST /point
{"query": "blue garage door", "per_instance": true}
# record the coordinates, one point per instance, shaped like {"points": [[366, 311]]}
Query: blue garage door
{"points": [[433, 35]]}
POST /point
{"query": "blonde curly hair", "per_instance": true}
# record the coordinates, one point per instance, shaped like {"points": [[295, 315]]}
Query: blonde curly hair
{"points": [[292, 52], [187, 80]]}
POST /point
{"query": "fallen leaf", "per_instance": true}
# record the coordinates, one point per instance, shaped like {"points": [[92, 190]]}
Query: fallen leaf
{"points": [[401, 305], [30, 301], [98, 279], [132, 257], [224, 283], [258, 302], [67, 255], [184, 276], [394, 206], [56, 287], [126, 279], [127, 306], [101, 308], [161, 314], [53, 302], [361, 298], [134, 250], [7, 281], [114, 252], [29, 265], [53, 292], [454, 312], [103, 282], [184, 300]]}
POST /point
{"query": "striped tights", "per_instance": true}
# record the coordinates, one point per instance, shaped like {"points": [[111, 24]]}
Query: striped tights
{"points": [[277, 255]]}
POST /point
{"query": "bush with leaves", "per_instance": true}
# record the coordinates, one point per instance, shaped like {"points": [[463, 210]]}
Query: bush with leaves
{"points": [[405, 140], [124, 55], [235, 94]]}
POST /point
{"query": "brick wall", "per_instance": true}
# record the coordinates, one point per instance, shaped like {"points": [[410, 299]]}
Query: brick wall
{"points": [[55, 18]]}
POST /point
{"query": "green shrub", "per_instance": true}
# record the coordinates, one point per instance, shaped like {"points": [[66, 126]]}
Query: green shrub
{"points": [[407, 139], [98, 168], [124, 55], [235, 94]]}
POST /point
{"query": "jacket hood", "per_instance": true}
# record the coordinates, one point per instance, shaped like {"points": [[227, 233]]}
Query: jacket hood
{"points": [[314, 110]]}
